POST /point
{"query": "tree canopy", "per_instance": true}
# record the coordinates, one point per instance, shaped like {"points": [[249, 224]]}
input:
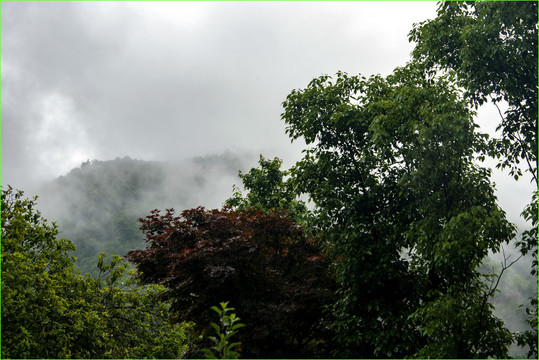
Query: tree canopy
{"points": [[260, 262], [268, 188], [403, 206], [492, 48], [49, 310]]}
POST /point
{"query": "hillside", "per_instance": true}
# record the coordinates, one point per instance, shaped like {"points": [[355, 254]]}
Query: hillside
{"points": [[97, 205]]}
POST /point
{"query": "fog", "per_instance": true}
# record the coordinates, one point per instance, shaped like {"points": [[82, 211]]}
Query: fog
{"points": [[174, 80], [143, 186]]}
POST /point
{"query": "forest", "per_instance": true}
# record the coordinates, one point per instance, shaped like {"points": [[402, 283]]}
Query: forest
{"points": [[386, 240]]}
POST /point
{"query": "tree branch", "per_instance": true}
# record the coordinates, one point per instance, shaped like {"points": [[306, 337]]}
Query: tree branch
{"points": [[521, 143], [492, 289]]}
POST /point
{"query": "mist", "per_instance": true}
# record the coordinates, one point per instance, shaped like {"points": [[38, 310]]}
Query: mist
{"points": [[97, 205], [174, 80]]}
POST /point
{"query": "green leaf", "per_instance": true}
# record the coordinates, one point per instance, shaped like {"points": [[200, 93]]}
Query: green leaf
{"points": [[216, 327]]}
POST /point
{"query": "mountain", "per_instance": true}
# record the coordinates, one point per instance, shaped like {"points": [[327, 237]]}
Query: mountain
{"points": [[98, 204]]}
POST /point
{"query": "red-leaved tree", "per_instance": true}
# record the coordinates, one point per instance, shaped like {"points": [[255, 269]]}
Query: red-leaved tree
{"points": [[261, 262]]}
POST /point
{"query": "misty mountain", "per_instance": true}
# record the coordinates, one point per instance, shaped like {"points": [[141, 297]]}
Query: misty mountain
{"points": [[97, 204]]}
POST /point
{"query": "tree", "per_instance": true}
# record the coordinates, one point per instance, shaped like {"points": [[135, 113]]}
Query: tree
{"points": [[492, 48], [260, 262], [404, 210], [49, 310], [268, 190]]}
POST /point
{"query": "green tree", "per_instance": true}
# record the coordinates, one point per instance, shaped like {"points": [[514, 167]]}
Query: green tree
{"points": [[268, 188], [49, 310], [492, 48], [404, 210]]}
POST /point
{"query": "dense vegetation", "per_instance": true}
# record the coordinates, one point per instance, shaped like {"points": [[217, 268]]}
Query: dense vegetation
{"points": [[49, 310], [492, 49], [259, 261], [391, 171], [390, 260]]}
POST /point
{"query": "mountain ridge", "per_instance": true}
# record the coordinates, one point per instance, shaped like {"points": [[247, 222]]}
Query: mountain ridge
{"points": [[97, 205]]}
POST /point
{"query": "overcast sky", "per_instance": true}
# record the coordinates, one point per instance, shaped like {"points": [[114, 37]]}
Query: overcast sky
{"points": [[172, 80]]}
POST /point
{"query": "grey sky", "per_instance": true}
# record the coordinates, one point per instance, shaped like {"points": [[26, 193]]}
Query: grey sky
{"points": [[172, 80]]}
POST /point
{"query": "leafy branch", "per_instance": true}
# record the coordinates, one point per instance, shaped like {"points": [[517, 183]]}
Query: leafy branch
{"points": [[228, 327]]}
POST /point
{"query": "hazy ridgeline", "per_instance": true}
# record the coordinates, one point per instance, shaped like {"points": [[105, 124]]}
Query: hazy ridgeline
{"points": [[97, 206]]}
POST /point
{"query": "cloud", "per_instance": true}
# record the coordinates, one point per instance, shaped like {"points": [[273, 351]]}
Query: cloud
{"points": [[174, 80]]}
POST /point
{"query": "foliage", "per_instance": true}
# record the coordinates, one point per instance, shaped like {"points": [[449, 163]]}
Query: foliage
{"points": [[529, 337], [261, 262], [528, 242], [50, 311], [37, 284], [135, 318], [492, 48], [225, 330], [267, 190], [404, 209]]}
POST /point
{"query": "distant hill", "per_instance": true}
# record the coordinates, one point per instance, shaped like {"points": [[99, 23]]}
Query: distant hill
{"points": [[97, 205]]}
